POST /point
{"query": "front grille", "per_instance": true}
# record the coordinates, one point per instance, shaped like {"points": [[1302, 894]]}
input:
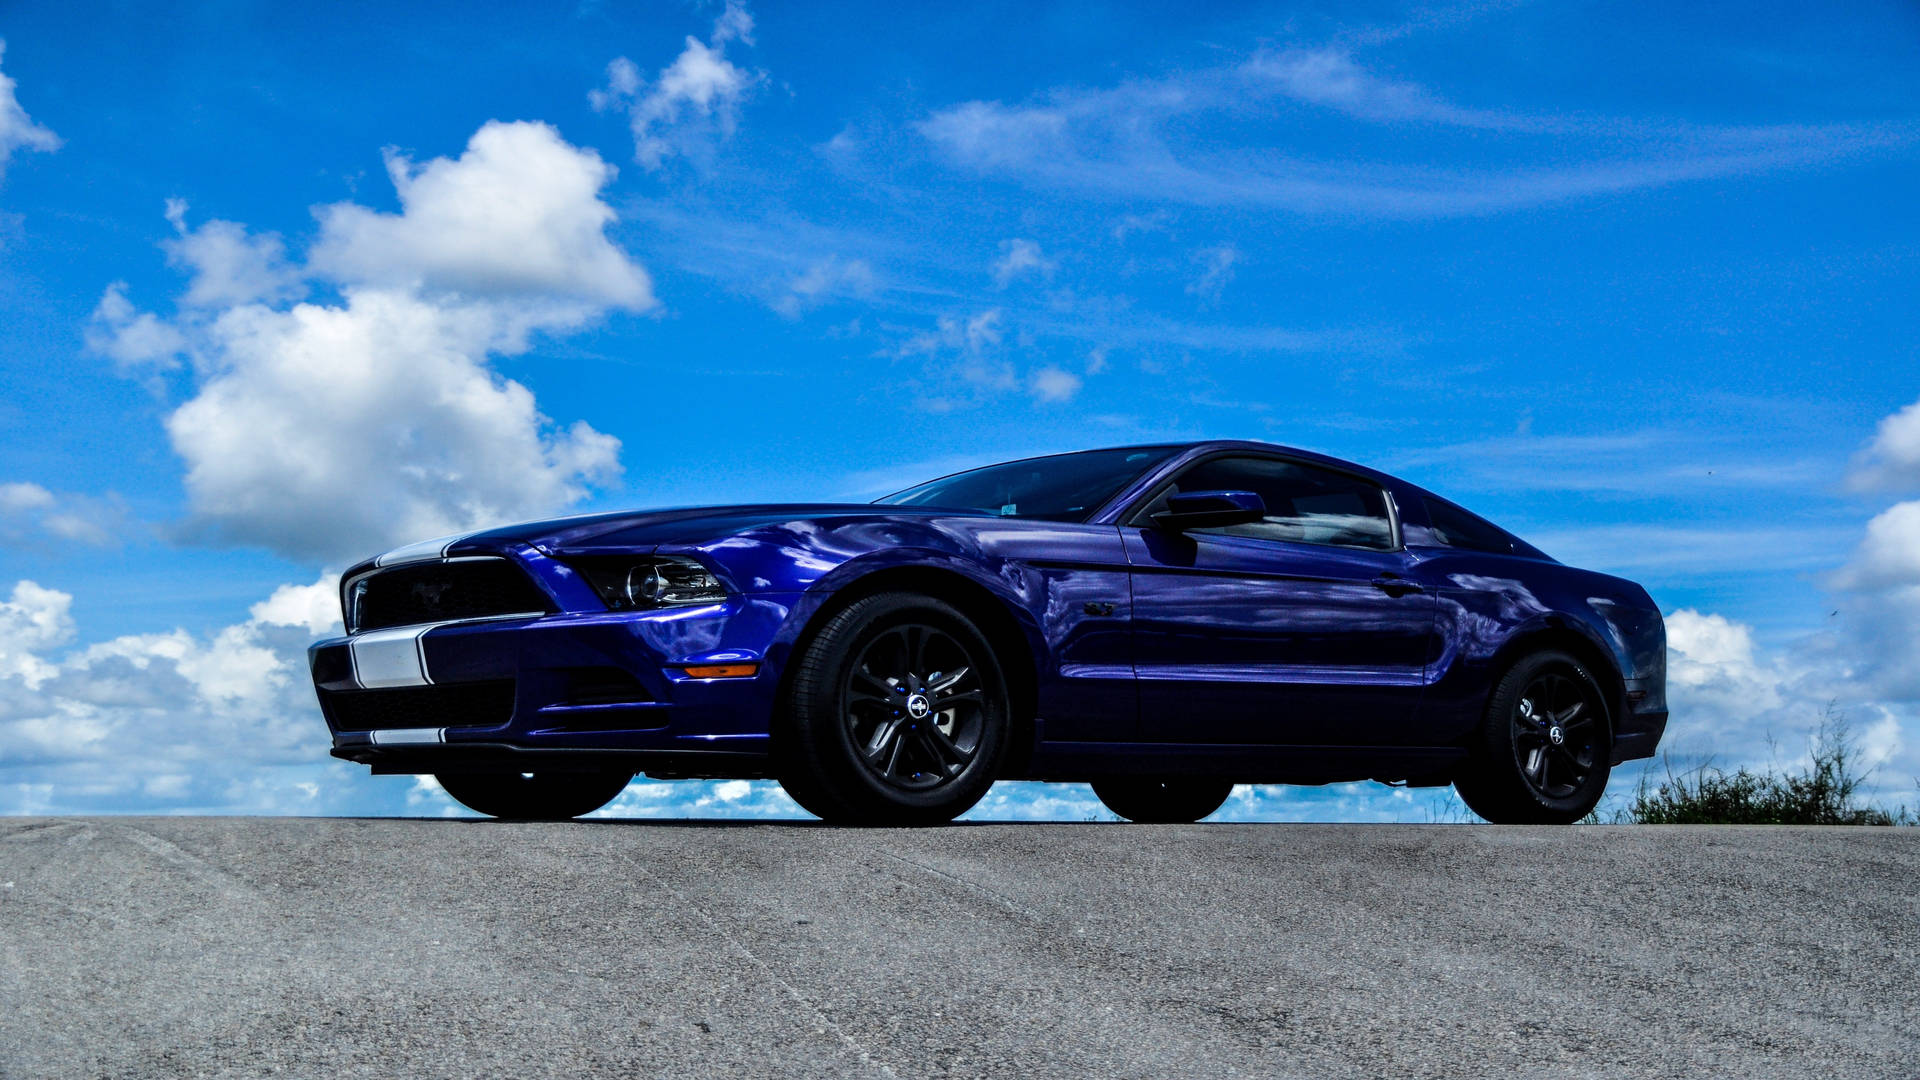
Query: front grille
{"points": [[441, 591], [474, 704]]}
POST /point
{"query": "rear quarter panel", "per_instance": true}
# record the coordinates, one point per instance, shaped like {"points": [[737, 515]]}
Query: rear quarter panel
{"points": [[1494, 608]]}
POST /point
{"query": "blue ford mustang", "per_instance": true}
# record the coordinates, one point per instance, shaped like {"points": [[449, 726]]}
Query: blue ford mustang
{"points": [[1162, 621]]}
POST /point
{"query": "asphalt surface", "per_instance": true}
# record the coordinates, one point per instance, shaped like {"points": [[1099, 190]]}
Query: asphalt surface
{"points": [[397, 948]]}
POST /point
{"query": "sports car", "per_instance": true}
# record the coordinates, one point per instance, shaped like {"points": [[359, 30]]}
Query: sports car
{"points": [[1163, 622]]}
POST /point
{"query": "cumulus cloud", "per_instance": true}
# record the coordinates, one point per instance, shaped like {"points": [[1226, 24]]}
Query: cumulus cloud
{"points": [[326, 431], [173, 720], [517, 216], [32, 620], [228, 265], [694, 101], [133, 339], [17, 129], [1019, 258], [1880, 597], [1892, 459]]}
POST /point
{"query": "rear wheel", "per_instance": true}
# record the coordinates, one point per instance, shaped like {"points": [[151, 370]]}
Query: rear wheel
{"points": [[1167, 802], [898, 715], [1542, 754], [541, 796]]}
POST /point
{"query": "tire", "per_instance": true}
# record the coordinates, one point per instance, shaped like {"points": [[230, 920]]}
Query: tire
{"points": [[897, 714], [543, 796], [1543, 751], [1173, 801]]}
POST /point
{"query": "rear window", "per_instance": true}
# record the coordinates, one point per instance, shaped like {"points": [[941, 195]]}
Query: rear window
{"points": [[1453, 527]]}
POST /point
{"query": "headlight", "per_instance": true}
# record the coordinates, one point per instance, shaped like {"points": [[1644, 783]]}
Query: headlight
{"points": [[637, 584]]}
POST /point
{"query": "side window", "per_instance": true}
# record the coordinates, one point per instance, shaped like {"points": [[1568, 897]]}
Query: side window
{"points": [[1305, 504], [1456, 528]]}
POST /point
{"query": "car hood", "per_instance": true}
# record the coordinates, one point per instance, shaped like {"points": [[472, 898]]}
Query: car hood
{"points": [[687, 525]]}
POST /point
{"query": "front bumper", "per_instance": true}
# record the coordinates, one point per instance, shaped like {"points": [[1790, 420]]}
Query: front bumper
{"points": [[552, 677]]}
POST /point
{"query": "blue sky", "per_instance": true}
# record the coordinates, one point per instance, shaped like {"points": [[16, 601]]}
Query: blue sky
{"points": [[278, 289]]}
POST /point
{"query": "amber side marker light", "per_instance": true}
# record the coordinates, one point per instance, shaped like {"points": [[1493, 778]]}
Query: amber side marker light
{"points": [[721, 671]]}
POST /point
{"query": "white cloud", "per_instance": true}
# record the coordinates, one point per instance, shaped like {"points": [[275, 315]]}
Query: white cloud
{"points": [[315, 607], [1331, 77], [1880, 598], [1216, 272], [17, 129], [173, 720], [20, 497], [695, 100], [518, 217], [1892, 460], [329, 432], [131, 338], [27, 510], [1712, 665], [1149, 142], [1018, 258], [32, 620], [827, 279], [326, 431], [1053, 384], [1889, 553], [229, 267]]}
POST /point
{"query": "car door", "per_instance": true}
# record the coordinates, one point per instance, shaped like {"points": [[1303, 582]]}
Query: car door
{"points": [[1309, 627]]}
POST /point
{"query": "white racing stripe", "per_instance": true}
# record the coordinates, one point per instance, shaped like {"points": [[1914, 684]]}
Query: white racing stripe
{"points": [[408, 735], [424, 551], [388, 658]]}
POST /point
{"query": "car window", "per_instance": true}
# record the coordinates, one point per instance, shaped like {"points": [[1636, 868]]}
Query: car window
{"points": [[1063, 487], [1305, 504], [1453, 527]]}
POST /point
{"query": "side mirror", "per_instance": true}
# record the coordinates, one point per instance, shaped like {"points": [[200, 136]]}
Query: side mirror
{"points": [[1210, 510]]}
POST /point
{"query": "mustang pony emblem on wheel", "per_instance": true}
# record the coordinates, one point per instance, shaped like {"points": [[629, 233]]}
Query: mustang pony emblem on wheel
{"points": [[1161, 621]]}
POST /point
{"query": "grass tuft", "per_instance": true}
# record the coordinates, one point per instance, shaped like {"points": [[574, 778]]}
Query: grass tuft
{"points": [[1821, 793]]}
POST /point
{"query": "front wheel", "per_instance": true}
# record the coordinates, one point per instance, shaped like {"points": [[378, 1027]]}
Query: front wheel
{"points": [[1543, 752], [898, 715], [1163, 802], [541, 796]]}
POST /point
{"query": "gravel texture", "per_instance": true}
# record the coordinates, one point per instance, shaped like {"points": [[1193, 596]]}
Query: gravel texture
{"points": [[344, 947]]}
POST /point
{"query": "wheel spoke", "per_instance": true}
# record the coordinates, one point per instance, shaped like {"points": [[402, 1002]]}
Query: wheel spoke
{"points": [[948, 680], [944, 750], [893, 757], [971, 695], [882, 687], [885, 734]]}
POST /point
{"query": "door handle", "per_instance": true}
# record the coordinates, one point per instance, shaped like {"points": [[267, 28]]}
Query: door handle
{"points": [[1395, 585]]}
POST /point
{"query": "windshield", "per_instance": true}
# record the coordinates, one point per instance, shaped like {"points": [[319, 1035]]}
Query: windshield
{"points": [[1064, 487]]}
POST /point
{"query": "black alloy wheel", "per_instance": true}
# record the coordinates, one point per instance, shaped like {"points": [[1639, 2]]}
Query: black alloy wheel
{"points": [[1543, 752], [538, 796], [914, 707], [897, 715], [1554, 727]]}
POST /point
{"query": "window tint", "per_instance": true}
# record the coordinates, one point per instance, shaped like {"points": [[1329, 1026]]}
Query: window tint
{"points": [[1455, 527], [1305, 504]]}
